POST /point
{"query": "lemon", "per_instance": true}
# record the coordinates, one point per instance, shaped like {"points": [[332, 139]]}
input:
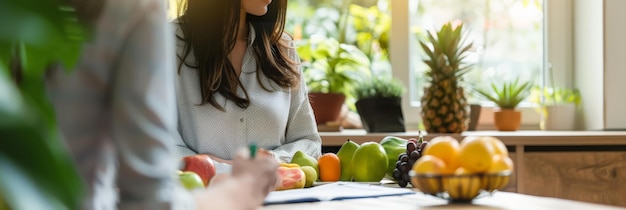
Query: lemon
{"points": [[494, 179], [498, 145], [445, 148], [428, 165], [476, 155], [500, 163]]}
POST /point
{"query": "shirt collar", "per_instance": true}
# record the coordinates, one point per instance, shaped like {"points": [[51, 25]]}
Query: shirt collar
{"points": [[248, 54]]}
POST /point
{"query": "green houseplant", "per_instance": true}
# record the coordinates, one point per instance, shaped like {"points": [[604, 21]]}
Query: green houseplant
{"points": [[331, 69], [507, 96], [557, 107], [35, 170], [379, 104]]}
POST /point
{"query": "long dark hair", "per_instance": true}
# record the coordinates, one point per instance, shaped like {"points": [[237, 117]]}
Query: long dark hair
{"points": [[210, 30]]}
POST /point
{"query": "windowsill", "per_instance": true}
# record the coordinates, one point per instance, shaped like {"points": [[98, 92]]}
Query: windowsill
{"points": [[514, 138]]}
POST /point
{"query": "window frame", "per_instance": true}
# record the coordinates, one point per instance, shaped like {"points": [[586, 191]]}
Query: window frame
{"points": [[558, 21]]}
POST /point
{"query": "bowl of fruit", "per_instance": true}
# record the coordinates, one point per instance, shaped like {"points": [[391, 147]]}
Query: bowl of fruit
{"points": [[460, 187], [463, 171]]}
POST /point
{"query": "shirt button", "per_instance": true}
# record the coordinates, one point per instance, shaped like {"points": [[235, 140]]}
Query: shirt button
{"points": [[241, 120]]}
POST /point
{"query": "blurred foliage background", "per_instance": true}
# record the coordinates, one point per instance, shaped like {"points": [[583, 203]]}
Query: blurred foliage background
{"points": [[357, 30], [35, 169]]}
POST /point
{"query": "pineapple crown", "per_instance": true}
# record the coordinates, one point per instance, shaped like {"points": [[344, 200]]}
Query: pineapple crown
{"points": [[446, 50]]}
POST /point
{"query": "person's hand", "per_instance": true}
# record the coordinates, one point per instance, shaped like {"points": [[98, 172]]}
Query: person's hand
{"points": [[219, 160], [260, 172], [245, 187], [268, 153]]}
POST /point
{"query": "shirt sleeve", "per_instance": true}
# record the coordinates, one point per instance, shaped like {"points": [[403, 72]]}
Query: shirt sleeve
{"points": [[182, 149], [301, 128], [144, 114]]}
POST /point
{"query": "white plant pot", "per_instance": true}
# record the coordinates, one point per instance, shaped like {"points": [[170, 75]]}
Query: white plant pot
{"points": [[559, 117]]}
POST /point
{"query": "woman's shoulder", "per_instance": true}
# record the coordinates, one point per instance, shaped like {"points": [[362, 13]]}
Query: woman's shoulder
{"points": [[176, 27], [288, 44], [286, 36]]}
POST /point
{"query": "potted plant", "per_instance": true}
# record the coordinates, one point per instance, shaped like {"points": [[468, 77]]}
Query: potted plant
{"points": [[557, 107], [379, 104], [507, 97], [330, 69]]}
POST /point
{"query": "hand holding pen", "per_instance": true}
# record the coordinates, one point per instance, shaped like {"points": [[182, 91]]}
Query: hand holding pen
{"points": [[258, 165]]}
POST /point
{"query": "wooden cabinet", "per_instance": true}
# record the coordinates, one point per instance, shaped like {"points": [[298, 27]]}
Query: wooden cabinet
{"points": [[593, 176]]}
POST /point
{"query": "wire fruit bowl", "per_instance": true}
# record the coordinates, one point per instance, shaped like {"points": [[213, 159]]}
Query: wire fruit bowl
{"points": [[460, 188]]}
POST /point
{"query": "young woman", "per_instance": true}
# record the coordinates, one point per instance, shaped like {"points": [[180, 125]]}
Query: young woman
{"points": [[240, 82]]}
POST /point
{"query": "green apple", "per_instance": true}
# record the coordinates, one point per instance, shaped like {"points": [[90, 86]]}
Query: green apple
{"points": [[369, 162], [190, 180]]}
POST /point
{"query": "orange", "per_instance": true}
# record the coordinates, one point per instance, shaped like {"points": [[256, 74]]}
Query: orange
{"points": [[330, 167], [445, 148], [476, 155]]}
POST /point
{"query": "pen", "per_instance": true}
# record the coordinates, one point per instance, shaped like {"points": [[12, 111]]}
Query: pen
{"points": [[252, 150]]}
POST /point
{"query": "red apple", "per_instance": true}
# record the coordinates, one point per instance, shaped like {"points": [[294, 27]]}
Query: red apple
{"points": [[200, 164]]}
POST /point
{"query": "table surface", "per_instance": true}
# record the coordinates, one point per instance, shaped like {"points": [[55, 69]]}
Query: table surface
{"points": [[495, 201]]}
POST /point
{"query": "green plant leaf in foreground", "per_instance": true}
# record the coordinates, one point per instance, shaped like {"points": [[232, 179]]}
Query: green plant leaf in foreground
{"points": [[36, 171]]}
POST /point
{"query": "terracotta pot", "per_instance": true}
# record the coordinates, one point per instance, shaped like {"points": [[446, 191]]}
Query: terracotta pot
{"points": [[507, 119], [326, 106]]}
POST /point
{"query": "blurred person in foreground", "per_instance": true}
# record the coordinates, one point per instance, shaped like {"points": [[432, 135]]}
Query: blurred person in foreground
{"points": [[117, 113]]}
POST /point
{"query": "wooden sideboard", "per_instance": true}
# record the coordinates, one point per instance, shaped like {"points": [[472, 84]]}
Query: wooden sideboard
{"points": [[578, 165]]}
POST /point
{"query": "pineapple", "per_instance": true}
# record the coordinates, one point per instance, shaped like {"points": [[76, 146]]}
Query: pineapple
{"points": [[444, 107]]}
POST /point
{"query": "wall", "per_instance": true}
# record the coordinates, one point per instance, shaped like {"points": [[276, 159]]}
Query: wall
{"points": [[588, 62], [559, 44], [614, 74], [399, 46]]}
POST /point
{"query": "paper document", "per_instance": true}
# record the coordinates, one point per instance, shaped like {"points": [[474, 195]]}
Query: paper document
{"points": [[333, 191]]}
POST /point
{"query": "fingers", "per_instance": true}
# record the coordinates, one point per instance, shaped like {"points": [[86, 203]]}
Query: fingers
{"points": [[243, 153]]}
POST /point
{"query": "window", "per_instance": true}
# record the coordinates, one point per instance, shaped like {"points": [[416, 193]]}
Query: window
{"points": [[507, 39], [508, 36]]}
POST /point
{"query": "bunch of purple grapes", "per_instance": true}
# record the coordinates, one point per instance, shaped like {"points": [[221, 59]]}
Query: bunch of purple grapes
{"points": [[405, 161]]}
